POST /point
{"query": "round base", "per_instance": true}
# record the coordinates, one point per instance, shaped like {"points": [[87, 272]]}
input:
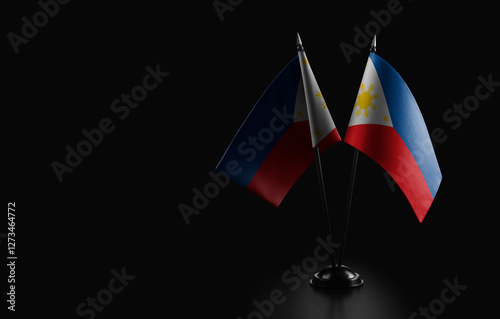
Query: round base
{"points": [[336, 277]]}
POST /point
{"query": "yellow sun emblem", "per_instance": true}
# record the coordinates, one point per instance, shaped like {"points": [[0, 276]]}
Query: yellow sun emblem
{"points": [[364, 100]]}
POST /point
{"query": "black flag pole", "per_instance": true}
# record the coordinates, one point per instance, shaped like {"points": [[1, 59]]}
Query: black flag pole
{"points": [[319, 169], [373, 49], [325, 204], [335, 275], [349, 202]]}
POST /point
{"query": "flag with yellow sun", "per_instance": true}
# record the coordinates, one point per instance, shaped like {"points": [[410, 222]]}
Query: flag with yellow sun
{"points": [[386, 124], [272, 148]]}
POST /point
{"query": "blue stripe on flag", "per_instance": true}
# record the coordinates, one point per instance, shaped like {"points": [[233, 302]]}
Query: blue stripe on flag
{"points": [[265, 120]]}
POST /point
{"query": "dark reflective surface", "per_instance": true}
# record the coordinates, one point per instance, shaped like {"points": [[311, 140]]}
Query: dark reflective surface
{"points": [[380, 297]]}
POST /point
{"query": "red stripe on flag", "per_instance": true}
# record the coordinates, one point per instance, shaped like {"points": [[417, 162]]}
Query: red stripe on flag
{"points": [[289, 158], [384, 145]]}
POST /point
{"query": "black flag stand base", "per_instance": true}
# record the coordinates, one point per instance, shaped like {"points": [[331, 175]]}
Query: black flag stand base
{"points": [[336, 277]]}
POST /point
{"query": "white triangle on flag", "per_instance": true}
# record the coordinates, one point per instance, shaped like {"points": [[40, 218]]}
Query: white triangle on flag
{"points": [[320, 120], [370, 106]]}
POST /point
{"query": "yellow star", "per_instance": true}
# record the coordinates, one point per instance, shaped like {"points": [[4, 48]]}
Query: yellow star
{"points": [[318, 133], [386, 118], [306, 61], [300, 114]]}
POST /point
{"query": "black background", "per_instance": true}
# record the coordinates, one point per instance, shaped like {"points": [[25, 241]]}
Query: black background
{"points": [[119, 207]]}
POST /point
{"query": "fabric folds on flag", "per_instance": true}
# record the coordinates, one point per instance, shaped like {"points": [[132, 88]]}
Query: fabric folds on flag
{"points": [[386, 124], [272, 148]]}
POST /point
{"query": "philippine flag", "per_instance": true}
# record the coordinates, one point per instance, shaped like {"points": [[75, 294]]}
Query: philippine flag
{"points": [[386, 124], [272, 148]]}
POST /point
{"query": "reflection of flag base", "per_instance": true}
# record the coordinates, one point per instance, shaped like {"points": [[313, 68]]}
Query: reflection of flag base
{"points": [[336, 277]]}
